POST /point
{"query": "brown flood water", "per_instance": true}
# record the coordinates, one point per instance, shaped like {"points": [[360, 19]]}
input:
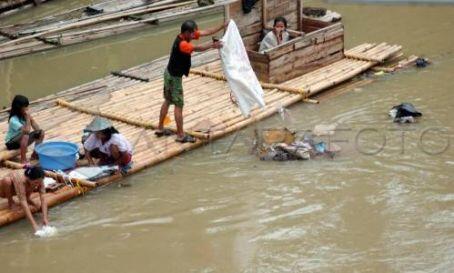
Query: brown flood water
{"points": [[219, 209]]}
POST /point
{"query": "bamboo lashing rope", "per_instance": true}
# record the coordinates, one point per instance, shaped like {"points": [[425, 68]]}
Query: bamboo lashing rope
{"points": [[14, 165], [137, 123], [279, 87]]}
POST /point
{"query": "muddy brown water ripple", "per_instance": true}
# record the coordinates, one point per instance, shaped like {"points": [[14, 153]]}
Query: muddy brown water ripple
{"points": [[219, 209]]}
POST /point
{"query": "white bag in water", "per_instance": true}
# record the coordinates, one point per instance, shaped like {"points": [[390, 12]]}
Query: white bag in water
{"points": [[46, 231], [241, 78]]}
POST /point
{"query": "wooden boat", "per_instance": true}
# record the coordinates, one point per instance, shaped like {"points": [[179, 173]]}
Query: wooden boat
{"points": [[94, 22], [8, 7], [207, 98], [313, 43]]}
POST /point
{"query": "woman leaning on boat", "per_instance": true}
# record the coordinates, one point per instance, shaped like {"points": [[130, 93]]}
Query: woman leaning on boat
{"points": [[277, 36]]}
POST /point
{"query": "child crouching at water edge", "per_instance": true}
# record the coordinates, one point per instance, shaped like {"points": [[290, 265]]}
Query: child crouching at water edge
{"points": [[22, 184], [20, 124], [108, 145]]}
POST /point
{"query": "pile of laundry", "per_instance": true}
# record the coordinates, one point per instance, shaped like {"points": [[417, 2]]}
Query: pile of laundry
{"points": [[284, 145]]}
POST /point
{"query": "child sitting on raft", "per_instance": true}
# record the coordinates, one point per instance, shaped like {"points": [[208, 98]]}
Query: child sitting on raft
{"points": [[21, 123], [108, 145], [277, 36], [23, 184]]}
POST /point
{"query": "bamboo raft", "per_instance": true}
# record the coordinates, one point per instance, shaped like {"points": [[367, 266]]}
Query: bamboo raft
{"points": [[134, 109], [8, 7], [97, 21]]}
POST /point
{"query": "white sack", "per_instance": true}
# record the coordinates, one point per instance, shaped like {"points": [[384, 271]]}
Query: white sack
{"points": [[241, 78]]}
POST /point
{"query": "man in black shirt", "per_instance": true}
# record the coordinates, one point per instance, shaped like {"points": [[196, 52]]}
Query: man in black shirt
{"points": [[179, 65]]}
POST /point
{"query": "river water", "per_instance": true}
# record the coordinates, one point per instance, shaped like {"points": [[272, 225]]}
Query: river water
{"points": [[385, 204]]}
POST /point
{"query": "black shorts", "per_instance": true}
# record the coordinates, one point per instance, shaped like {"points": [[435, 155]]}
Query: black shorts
{"points": [[14, 143]]}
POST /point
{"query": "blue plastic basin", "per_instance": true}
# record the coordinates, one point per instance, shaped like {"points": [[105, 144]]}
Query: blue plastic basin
{"points": [[57, 155]]}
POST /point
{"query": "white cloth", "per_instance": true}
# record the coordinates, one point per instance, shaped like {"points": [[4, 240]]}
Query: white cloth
{"points": [[118, 140], [241, 78], [46, 231]]}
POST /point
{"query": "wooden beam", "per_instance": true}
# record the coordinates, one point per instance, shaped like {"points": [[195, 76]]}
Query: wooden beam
{"points": [[300, 15], [264, 13]]}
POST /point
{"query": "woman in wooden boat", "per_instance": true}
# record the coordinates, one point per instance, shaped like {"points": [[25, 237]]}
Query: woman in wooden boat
{"points": [[277, 36], [23, 130], [108, 145], [179, 65], [22, 184]]}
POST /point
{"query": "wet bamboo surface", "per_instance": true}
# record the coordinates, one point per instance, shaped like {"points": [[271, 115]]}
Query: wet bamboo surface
{"points": [[206, 98]]}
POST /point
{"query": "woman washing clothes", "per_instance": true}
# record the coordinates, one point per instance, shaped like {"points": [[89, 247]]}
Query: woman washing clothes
{"points": [[23, 130], [108, 145], [22, 184], [277, 36]]}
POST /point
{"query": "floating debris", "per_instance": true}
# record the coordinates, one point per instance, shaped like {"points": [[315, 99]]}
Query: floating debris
{"points": [[404, 113], [422, 62], [282, 145]]}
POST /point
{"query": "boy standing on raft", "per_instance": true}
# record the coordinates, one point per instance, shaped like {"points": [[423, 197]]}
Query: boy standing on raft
{"points": [[179, 65]]}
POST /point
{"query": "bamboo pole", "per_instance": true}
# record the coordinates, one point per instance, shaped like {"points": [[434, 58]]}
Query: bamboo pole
{"points": [[7, 155], [53, 97], [264, 85], [138, 123], [57, 177], [264, 13]]}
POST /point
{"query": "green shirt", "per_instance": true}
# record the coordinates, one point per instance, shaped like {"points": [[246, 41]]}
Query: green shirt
{"points": [[15, 128]]}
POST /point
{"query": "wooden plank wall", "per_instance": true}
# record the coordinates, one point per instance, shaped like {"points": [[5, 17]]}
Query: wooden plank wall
{"points": [[251, 26], [300, 55], [310, 25]]}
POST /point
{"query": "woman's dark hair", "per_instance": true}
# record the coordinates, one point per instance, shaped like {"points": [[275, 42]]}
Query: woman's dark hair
{"points": [[18, 103], [188, 25], [280, 19], [34, 172], [109, 132]]}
